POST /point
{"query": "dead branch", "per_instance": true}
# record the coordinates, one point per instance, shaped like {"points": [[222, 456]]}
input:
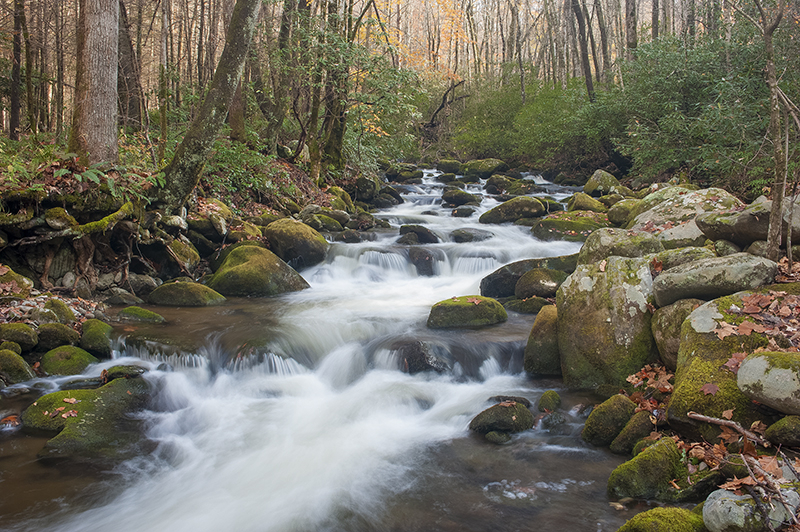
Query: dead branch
{"points": [[730, 424]]}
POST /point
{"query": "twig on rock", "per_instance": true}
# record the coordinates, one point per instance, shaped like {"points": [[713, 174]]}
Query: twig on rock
{"points": [[731, 424]]}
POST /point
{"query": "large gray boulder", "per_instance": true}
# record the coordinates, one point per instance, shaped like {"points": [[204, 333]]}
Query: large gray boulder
{"points": [[745, 226], [713, 277], [772, 379], [604, 322], [666, 327], [609, 241], [725, 511], [670, 214]]}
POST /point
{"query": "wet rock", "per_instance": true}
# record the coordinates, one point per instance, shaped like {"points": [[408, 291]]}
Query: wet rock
{"points": [[600, 184], [665, 519], [604, 322], [542, 356], [713, 277], [138, 314], [482, 168], [638, 427], [466, 311], [773, 379], [470, 235], [512, 210], [648, 474], [13, 368], [510, 398], [296, 243], [97, 425], [20, 333], [498, 438], [573, 226], [66, 360], [462, 212], [666, 328], [497, 184], [530, 305], [583, 202], [254, 271], [458, 197], [503, 281], [540, 282], [606, 242], [785, 432], [508, 417], [607, 420], [550, 401], [52, 335], [416, 357], [349, 236], [448, 166], [424, 235], [724, 511], [185, 294], [424, 260]]}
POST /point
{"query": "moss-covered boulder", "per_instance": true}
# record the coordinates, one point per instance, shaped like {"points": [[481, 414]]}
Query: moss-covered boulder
{"points": [[665, 519], [342, 200], [503, 281], [243, 230], [185, 294], [184, 254], [620, 213], [609, 241], [703, 381], [52, 335], [96, 338], [713, 277], [138, 314], [607, 420], [92, 425], [15, 286], [748, 225], [600, 184], [583, 202], [785, 432], [11, 346], [13, 368], [329, 224], [529, 305], [541, 282], [508, 417], [666, 327], [296, 243], [550, 401], [482, 168], [20, 333], [253, 271], [638, 427], [574, 226], [541, 352], [466, 311], [456, 196], [604, 331], [448, 166], [513, 210], [648, 474], [61, 310], [773, 379], [67, 360]]}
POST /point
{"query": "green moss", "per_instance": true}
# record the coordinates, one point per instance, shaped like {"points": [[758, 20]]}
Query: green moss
{"points": [[529, 305], [513, 209], [253, 271], [11, 346], [638, 427], [541, 356], [13, 368], [58, 218], [621, 212], [102, 225], [573, 226], [20, 333], [549, 401], [785, 431], [185, 294], [607, 420], [61, 310], [506, 417], [16, 286], [466, 311], [295, 242], [139, 314], [67, 360], [648, 474], [665, 519], [96, 338], [52, 335], [583, 202]]}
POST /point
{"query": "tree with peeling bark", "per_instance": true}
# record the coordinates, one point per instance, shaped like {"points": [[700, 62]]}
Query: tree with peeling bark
{"points": [[183, 172]]}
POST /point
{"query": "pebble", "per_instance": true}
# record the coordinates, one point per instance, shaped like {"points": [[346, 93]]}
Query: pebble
{"points": [[21, 310]]}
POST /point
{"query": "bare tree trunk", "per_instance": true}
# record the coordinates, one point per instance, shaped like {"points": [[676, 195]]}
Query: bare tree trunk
{"points": [[183, 172], [129, 86], [94, 121], [14, 110], [654, 20], [631, 39], [59, 104], [587, 69], [30, 97]]}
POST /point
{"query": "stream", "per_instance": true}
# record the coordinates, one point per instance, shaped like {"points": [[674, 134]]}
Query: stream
{"points": [[291, 414]]}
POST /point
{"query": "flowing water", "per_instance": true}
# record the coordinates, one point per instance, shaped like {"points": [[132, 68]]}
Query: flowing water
{"points": [[292, 414]]}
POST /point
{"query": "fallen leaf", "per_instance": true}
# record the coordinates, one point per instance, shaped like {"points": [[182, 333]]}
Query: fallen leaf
{"points": [[725, 329], [11, 421], [728, 435], [3, 269], [474, 300], [728, 414], [734, 362], [602, 265], [70, 400], [617, 506], [656, 265], [709, 388], [747, 327], [737, 483]]}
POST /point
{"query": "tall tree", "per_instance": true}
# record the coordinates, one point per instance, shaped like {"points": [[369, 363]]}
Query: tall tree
{"points": [[587, 69], [16, 71], [94, 119], [631, 39], [183, 172]]}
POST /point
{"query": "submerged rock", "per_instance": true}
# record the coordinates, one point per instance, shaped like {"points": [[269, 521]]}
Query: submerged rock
{"points": [[507, 417]]}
